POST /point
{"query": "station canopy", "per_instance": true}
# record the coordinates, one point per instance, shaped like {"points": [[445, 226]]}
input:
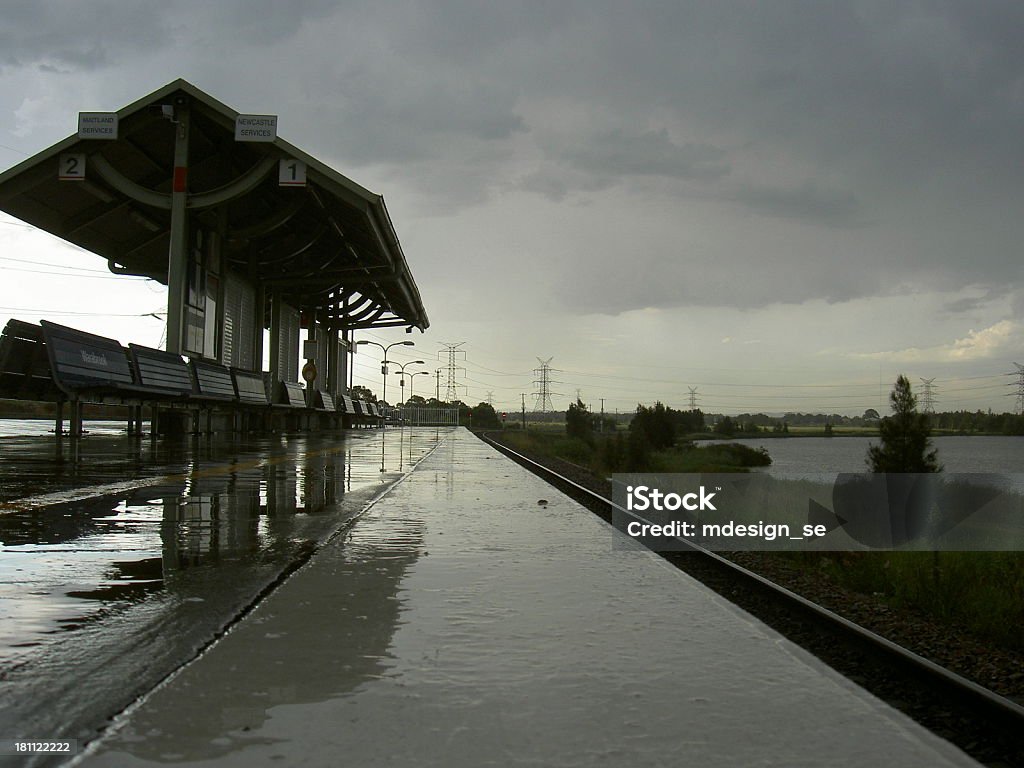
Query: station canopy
{"points": [[326, 246]]}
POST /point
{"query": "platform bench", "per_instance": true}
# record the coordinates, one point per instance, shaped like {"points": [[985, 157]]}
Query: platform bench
{"points": [[24, 363], [164, 374], [323, 401], [290, 395], [212, 382]]}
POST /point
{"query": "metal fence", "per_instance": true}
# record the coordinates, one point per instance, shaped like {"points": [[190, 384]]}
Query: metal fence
{"points": [[422, 416]]}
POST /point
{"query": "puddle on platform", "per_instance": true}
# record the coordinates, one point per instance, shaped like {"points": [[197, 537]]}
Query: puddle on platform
{"points": [[209, 526]]}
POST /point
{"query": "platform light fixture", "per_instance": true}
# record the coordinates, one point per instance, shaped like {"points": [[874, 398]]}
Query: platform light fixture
{"points": [[384, 367]]}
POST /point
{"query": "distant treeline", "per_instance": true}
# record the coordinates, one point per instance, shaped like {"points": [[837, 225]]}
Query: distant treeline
{"points": [[962, 422]]}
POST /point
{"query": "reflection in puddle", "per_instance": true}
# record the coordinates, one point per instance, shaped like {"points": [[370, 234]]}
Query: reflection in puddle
{"points": [[167, 564]]}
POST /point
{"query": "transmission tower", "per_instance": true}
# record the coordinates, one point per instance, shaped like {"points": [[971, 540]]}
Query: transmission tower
{"points": [[544, 382], [693, 398], [453, 351], [928, 396], [1020, 388]]}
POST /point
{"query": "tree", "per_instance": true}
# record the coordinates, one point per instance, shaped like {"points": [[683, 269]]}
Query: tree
{"points": [[725, 427], [360, 392], [484, 416], [656, 426], [906, 443], [578, 421]]}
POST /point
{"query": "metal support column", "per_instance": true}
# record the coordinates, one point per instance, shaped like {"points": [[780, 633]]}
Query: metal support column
{"points": [[275, 340], [178, 257], [261, 310]]}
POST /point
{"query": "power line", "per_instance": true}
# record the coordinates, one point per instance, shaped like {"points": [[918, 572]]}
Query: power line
{"points": [[451, 391], [543, 395], [1020, 388], [928, 396], [157, 315]]}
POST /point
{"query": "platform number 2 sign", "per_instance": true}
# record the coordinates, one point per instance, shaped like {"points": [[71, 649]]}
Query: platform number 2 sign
{"points": [[72, 167], [291, 173]]}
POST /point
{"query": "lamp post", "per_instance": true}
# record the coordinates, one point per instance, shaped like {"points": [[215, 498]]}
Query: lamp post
{"points": [[401, 373], [384, 369], [411, 376]]}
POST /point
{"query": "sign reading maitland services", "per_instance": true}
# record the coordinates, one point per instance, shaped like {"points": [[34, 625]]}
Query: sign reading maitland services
{"points": [[255, 127], [97, 125]]}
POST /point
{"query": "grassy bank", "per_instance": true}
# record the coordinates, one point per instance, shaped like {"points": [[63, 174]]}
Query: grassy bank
{"points": [[982, 592], [605, 455]]}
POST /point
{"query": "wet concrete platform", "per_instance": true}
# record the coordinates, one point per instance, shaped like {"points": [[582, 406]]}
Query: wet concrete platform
{"points": [[462, 622], [117, 569]]}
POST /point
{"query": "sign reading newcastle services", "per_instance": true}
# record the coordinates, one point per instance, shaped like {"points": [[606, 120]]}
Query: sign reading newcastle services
{"points": [[255, 127], [97, 125]]}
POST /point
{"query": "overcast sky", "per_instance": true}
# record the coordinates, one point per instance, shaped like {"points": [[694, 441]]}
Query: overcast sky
{"points": [[780, 204]]}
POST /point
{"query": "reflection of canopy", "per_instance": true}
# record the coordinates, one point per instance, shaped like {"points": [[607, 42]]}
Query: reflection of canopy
{"points": [[328, 246]]}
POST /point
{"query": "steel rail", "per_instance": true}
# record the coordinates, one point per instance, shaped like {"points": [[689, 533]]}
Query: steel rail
{"points": [[981, 699]]}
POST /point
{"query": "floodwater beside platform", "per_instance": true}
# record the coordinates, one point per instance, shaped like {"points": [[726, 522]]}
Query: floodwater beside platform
{"points": [[119, 568]]}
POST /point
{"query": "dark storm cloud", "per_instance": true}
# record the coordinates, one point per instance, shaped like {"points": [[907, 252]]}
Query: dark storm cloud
{"points": [[835, 149], [807, 202], [68, 35], [651, 153], [65, 37]]}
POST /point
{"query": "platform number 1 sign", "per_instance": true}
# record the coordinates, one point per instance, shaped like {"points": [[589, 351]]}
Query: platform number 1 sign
{"points": [[71, 167], [291, 173]]}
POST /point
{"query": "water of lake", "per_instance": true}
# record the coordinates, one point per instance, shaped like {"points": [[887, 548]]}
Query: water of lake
{"points": [[796, 455]]}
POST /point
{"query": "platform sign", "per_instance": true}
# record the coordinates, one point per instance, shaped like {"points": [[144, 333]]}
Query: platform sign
{"points": [[256, 128], [71, 167], [97, 125], [291, 173]]}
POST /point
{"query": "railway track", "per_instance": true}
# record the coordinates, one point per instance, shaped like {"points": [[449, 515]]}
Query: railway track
{"points": [[987, 726]]}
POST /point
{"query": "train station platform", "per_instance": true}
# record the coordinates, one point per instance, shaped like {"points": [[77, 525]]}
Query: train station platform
{"points": [[475, 616]]}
